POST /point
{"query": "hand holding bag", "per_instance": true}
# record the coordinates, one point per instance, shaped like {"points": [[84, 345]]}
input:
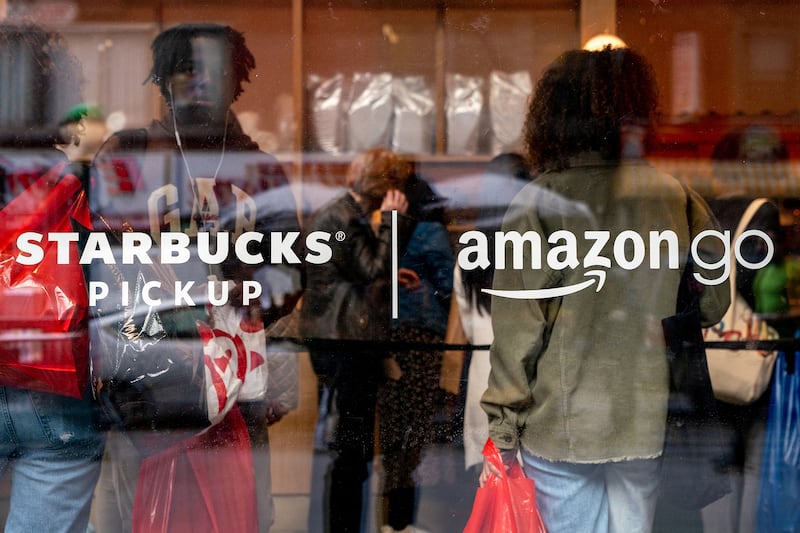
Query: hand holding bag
{"points": [[505, 504], [740, 376]]}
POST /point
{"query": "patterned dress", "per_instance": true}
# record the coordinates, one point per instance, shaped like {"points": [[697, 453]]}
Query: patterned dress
{"points": [[406, 405]]}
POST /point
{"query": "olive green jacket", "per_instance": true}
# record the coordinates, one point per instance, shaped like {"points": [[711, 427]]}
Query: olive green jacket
{"points": [[582, 377]]}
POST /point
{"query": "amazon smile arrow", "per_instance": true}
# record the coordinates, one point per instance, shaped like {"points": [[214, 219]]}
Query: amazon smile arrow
{"points": [[553, 292]]}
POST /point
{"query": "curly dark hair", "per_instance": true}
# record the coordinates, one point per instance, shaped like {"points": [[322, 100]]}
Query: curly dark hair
{"points": [[584, 102], [45, 79], [172, 52]]}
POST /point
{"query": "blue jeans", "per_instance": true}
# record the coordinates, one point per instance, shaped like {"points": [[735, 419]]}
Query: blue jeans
{"points": [[595, 498], [52, 447]]}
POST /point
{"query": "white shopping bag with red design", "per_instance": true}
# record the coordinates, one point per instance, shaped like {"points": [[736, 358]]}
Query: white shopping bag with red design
{"points": [[251, 331], [234, 349]]}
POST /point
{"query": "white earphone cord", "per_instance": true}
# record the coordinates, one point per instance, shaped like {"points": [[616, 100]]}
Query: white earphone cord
{"points": [[192, 183]]}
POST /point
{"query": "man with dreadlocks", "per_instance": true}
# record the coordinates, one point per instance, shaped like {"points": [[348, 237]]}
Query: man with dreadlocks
{"points": [[199, 70], [578, 381]]}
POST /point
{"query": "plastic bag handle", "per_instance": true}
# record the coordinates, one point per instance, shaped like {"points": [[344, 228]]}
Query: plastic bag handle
{"points": [[492, 455], [521, 521]]}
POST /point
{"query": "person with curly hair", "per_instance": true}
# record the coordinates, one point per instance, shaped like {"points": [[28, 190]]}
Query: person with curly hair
{"points": [[578, 383]]}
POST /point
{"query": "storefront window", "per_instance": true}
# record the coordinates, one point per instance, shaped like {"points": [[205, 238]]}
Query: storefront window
{"points": [[286, 266]]}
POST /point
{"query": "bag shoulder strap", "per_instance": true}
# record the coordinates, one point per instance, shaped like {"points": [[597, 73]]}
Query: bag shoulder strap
{"points": [[741, 227], [748, 215]]}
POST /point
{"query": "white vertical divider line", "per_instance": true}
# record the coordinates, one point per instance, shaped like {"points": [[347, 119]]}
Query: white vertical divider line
{"points": [[395, 296]]}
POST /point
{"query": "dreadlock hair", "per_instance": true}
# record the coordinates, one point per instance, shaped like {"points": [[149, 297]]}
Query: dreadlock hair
{"points": [[584, 102], [172, 51]]}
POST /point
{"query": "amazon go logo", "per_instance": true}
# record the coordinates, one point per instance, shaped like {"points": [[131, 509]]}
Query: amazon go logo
{"points": [[627, 250]]}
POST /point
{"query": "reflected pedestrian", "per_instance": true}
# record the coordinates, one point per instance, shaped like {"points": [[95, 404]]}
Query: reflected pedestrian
{"points": [[347, 299], [50, 444], [578, 381], [408, 397], [200, 71]]}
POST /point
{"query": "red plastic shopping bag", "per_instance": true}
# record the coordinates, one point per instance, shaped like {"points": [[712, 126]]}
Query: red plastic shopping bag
{"points": [[505, 504], [203, 484], [44, 305]]}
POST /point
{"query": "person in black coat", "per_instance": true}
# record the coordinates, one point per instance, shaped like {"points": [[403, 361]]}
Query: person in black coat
{"points": [[347, 299]]}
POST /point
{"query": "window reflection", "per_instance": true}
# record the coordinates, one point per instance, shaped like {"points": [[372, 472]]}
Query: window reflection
{"points": [[248, 121]]}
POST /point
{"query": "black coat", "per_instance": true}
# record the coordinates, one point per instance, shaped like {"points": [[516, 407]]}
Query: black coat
{"points": [[347, 297]]}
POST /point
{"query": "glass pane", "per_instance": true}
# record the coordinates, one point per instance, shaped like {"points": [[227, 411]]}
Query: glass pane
{"points": [[307, 257]]}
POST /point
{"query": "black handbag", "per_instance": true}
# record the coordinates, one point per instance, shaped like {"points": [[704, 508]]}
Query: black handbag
{"points": [[692, 469]]}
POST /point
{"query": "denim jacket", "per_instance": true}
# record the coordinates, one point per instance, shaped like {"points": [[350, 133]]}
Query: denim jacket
{"points": [[429, 255]]}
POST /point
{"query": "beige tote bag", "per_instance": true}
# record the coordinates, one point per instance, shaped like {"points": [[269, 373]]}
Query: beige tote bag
{"points": [[740, 376]]}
